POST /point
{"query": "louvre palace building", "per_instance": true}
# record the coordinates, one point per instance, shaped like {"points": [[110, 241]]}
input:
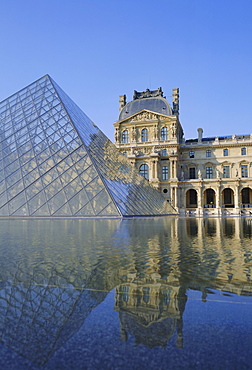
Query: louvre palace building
{"points": [[202, 176]]}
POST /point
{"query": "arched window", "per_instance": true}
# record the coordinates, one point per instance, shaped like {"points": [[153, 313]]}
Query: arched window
{"points": [[164, 133], [228, 198], [191, 198], [144, 135], [144, 171], [125, 136], [209, 196], [246, 195]]}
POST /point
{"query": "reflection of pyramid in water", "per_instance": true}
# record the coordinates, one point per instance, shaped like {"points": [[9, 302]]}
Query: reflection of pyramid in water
{"points": [[55, 162]]}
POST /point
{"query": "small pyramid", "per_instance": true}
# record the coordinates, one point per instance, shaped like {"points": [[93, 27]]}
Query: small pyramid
{"points": [[54, 161]]}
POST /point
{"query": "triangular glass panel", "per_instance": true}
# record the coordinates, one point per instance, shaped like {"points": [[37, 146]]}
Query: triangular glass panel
{"points": [[63, 211], [4, 210], [34, 189], [108, 211], [78, 201], [87, 210], [42, 211], [100, 201], [17, 202], [57, 201], [22, 211], [3, 199]]}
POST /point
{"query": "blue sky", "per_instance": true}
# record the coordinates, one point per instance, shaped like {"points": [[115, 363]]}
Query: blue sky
{"points": [[97, 50]]}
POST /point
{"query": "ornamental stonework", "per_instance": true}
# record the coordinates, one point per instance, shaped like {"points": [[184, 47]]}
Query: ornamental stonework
{"points": [[144, 116]]}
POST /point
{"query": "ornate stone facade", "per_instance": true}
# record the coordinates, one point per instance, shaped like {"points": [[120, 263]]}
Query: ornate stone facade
{"points": [[199, 176]]}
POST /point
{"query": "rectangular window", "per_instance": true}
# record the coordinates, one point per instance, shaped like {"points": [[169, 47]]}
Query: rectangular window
{"points": [[191, 154], [208, 153], [163, 153], [209, 172], [192, 173], [244, 170], [164, 133], [165, 173], [226, 172], [225, 152], [243, 151], [125, 136]]}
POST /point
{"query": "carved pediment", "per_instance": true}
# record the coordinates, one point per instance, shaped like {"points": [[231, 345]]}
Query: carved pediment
{"points": [[145, 115]]}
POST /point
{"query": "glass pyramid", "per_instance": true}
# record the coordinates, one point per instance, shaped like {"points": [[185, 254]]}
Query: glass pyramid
{"points": [[55, 162]]}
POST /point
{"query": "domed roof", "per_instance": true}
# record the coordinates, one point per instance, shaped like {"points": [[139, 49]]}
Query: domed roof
{"points": [[150, 100]]}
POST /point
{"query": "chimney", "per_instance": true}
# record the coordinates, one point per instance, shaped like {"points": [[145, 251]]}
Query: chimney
{"points": [[200, 132], [175, 101], [122, 102]]}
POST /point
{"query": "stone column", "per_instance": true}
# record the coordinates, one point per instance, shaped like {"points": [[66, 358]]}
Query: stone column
{"points": [[154, 166], [218, 200], [171, 169], [218, 196], [175, 169], [199, 193], [175, 196], [236, 198], [154, 172]]}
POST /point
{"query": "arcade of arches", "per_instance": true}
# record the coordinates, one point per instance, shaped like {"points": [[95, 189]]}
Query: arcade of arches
{"points": [[227, 199]]}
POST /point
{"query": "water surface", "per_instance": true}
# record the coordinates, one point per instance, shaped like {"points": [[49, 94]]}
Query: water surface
{"points": [[131, 294]]}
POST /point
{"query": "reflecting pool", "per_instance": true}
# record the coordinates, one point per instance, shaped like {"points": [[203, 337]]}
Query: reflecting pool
{"points": [[162, 293]]}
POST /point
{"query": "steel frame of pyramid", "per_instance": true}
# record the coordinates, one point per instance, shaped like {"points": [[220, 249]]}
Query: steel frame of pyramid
{"points": [[55, 162]]}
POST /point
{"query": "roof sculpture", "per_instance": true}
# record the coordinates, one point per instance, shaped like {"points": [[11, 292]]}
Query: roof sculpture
{"points": [[54, 161]]}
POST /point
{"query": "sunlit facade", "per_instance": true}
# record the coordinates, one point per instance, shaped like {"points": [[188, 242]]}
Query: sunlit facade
{"points": [[209, 175]]}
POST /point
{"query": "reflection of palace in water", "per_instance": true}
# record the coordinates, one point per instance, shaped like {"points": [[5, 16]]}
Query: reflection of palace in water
{"points": [[205, 254], [151, 311], [46, 296]]}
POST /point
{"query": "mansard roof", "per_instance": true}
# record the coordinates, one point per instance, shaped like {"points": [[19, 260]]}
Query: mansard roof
{"points": [[150, 100]]}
